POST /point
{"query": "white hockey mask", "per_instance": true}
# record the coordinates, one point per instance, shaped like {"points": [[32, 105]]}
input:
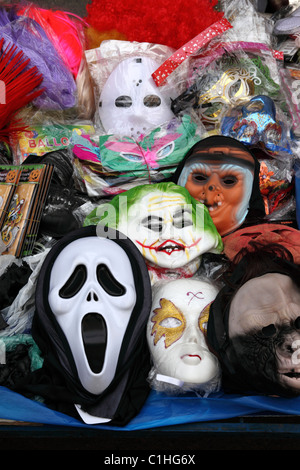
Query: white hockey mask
{"points": [[92, 295], [176, 335], [130, 102]]}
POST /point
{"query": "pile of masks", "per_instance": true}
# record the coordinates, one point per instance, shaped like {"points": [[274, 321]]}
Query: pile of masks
{"points": [[167, 257]]}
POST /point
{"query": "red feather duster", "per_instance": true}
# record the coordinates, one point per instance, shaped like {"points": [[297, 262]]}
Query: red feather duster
{"points": [[17, 87]]}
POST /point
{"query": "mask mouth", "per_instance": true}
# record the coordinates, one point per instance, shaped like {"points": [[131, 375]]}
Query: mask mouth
{"points": [[170, 247], [213, 207], [94, 335], [191, 359]]}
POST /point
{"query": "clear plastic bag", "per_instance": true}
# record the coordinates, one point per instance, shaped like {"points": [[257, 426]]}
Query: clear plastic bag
{"points": [[225, 75], [176, 335], [116, 68]]}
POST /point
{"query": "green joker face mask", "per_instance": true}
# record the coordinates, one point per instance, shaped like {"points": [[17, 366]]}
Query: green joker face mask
{"points": [[170, 228]]}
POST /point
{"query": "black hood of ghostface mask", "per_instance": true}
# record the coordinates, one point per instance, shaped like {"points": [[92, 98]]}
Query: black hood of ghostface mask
{"points": [[57, 381]]}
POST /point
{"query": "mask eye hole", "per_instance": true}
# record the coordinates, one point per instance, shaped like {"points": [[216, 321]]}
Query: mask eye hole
{"points": [[153, 223], [152, 101], [268, 331], [74, 283], [170, 322], [229, 180], [108, 282], [123, 101], [200, 178]]}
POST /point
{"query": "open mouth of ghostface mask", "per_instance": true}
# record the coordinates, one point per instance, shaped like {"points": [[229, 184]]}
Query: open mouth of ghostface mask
{"points": [[94, 335]]}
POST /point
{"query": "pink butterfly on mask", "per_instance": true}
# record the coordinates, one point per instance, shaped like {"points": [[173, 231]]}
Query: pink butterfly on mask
{"points": [[133, 152]]}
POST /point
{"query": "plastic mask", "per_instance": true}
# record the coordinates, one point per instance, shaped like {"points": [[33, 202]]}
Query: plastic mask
{"points": [[161, 148], [234, 85], [130, 102], [256, 123], [92, 295], [176, 334], [221, 177], [265, 307], [168, 231]]}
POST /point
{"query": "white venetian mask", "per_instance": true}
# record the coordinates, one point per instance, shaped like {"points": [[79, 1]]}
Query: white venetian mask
{"points": [[176, 334]]}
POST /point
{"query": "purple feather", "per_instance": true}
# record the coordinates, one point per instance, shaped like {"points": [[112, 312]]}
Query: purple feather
{"points": [[28, 36]]}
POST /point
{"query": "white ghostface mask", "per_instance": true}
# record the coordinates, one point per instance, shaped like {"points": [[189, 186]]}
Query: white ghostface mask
{"points": [[92, 295], [176, 336], [130, 102]]}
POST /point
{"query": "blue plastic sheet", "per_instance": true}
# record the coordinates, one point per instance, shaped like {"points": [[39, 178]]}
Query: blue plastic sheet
{"points": [[159, 410]]}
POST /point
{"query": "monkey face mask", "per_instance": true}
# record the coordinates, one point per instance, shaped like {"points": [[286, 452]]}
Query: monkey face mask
{"points": [[254, 328], [268, 307]]}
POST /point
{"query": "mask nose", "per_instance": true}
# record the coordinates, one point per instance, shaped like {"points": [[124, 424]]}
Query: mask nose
{"points": [[92, 296], [213, 184], [168, 230], [192, 336]]}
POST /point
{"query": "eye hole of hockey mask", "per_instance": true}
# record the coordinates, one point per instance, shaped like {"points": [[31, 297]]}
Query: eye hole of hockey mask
{"points": [[130, 102]]}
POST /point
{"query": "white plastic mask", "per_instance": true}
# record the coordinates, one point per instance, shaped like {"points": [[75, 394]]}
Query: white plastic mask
{"points": [[130, 102], [175, 333], [161, 225], [92, 295]]}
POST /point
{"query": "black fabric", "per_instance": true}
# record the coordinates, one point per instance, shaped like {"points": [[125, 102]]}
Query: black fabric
{"points": [[256, 205], [63, 168], [17, 366], [11, 282], [63, 197], [234, 378], [57, 381]]}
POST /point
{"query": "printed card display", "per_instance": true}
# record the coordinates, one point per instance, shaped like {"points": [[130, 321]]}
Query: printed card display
{"points": [[20, 225]]}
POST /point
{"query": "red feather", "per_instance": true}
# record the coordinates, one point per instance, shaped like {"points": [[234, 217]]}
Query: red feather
{"points": [[18, 84]]}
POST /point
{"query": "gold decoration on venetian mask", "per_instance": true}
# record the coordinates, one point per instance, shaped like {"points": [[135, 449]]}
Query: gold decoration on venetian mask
{"points": [[234, 86], [167, 311], [203, 318]]}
